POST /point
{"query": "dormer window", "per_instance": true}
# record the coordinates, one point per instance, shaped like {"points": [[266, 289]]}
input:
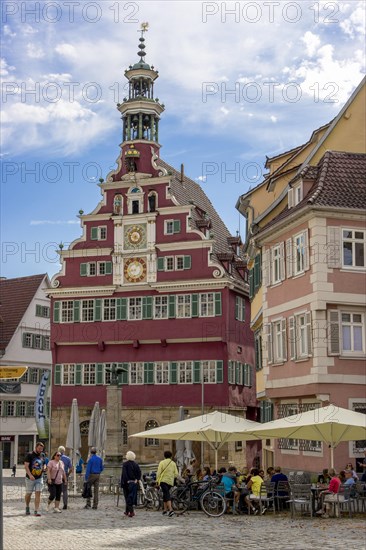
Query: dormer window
{"points": [[295, 195]]}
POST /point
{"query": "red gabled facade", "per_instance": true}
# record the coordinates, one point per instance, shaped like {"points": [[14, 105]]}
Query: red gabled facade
{"points": [[155, 285]]}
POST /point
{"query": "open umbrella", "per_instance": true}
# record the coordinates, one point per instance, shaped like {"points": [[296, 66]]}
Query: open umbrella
{"points": [[73, 440], [216, 428], [102, 433], [331, 424], [93, 435]]}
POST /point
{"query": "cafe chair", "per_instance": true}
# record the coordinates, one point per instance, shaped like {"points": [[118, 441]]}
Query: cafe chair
{"points": [[301, 499], [267, 497], [346, 500], [282, 494]]}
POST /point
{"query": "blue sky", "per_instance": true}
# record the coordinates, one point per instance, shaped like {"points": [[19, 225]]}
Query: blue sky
{"points": [[239, 80]]}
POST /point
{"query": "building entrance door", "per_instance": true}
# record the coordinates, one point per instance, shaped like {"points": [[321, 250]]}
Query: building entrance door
{"points": [[5, 446]]}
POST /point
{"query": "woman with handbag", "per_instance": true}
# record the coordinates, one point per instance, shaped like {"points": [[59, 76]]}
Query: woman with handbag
{"points": [[55, 477], [130, 478], [167, 472]]}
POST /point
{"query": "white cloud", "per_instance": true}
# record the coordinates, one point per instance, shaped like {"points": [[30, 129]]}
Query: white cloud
{"points": [[5, 68], [66, 50], [312, 42], [28, 29], [34, 51], [224, 111], [8, 32], [201, 178], [355, 24], [273, 118]]}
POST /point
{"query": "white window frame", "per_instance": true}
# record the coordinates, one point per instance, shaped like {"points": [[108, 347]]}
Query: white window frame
{"points": [[277, 270], [109, 309], [89, 374], [297, 193], [279, 340], [102, 232], [34, 376], [300, 336], [207, 304], [169, 263], [136, 374], [352, 324], [179, 259], [135, 308], [22, 408], [87, 311], [68, 375], [161, 307], [11, 408], [67, 311], [28, 340], [354, 241], [299, 248], [183, 306], [209, 369], [100, 269], [168, 227], [107, 375], [185, 372], [161, 372]]}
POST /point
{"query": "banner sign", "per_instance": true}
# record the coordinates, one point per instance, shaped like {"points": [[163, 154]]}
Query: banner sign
{"points": [[10, 387], [42, 421], [12, 372]]}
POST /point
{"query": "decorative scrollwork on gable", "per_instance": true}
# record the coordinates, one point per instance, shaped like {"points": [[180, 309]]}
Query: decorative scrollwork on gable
{"points": [[154, 157]]}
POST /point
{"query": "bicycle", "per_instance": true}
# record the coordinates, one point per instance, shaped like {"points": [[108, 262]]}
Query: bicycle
{"points": [[212, 503], [149, 496]]}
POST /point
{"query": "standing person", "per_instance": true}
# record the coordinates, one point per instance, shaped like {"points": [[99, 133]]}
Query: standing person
{"points": [[130, 477], [14, 470], [33, 465], [56, 477], [94, 468], [68, 469], [167, 472], [79, 465]]}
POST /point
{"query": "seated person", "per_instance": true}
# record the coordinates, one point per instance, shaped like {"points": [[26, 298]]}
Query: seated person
{"points": [[279, 476], [350, 481], [229, 482], [270, 472], [324, 477], [350, 467], [261, 473], [329, 496], [254, 485], [206, 473], [342, 476]]}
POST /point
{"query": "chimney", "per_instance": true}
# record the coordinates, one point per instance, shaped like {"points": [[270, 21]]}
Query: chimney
{"points": [[181, 173]]}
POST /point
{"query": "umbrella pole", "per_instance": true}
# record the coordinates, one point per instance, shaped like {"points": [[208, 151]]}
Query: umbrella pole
{"points": [[331, 456], [74, 468]]}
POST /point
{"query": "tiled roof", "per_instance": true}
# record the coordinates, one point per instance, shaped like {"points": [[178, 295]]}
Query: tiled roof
{"points": [[339, 182], [15, 297], [189, 192]]}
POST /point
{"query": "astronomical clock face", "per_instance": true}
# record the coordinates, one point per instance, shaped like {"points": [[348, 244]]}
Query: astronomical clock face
{"points": [[135, 270], [135, 236]]}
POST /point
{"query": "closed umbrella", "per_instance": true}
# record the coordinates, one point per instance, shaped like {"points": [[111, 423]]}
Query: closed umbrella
{"points": [[216, 428], [102, 433], [331, 424], [179, 456], [73, 440], [93, 435]]}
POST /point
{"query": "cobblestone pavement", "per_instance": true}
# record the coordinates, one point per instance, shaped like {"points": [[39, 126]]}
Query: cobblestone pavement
{"points": [[107, 528]]}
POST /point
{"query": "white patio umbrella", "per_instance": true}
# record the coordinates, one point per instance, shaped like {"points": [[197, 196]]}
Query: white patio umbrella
{"points": [[73, 440], [102, 433], [93, 435], [331, 424], [180, 445], [215, 428]]}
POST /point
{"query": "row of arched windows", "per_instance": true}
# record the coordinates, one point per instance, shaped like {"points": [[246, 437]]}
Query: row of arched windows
{"points": [[135, 202]]}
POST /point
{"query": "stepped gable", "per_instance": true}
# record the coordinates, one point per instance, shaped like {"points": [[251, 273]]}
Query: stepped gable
{"points": [[191, 193], [15, 297]]}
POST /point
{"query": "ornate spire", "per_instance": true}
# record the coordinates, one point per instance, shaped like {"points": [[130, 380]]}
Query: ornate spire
{"points": [[141, 52]]}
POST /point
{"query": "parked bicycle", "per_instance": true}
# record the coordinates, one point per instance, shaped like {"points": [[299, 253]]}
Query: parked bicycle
{"points": [[203, 493], [149, 495]]}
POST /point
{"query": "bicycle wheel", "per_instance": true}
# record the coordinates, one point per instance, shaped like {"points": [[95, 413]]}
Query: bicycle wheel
{"points": [[152, 501], [140, 500], [213, 504], [180, 500]]}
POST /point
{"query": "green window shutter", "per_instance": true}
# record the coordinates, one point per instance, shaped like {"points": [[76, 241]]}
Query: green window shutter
{"points": [[57, 375], [173, 374], [38, 310], [78, 371], [121, 309], [108, 268], [218, 308], [236, 372], [176, 226], [83, 270], [257, 272], [219, 372], [147, 307], [161, 264], [24, 338], [76, 311], [251, 283], [237, 307], [4, 408], [148, 373], [100, 370], [56, 312], [196, 372], [171, 306], [187, 262], [98, 309], [194, 305], [123, 376], [94, 233]]}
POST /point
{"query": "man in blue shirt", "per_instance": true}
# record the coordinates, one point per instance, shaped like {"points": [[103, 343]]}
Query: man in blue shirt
{"points": [[68, 469], [229, 480], [94, 468]]}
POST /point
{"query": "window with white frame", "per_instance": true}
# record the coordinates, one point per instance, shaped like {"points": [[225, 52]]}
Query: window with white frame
{"points": [[31, 407], [299, 251], [171, 227], [277, 342], [136, 372], [68, 375], [300, 335], [102, 268], [297, 193], [46, 342], [352, 333], [209, 371], [27, 340], [162, 372], [277, 263], [89, 374], [207, 305], [169, 263], [42, 311], [107, 373], [87, 310], [149, 441], [91, 269], [109, 309], [22, 408], [239, 308], [37, 341], [160, 307], [183, 305], [10, 408], [67, 311], [134, 309], [185, 372], [34, 376], [179, 263], [354, 248], [102, 233]]}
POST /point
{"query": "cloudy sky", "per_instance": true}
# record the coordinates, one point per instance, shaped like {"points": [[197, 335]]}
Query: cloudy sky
{"points": [[239, 80]]}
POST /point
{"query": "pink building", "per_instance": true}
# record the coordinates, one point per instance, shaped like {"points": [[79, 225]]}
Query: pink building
{"points": [[157, 285], [313, 264]]}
